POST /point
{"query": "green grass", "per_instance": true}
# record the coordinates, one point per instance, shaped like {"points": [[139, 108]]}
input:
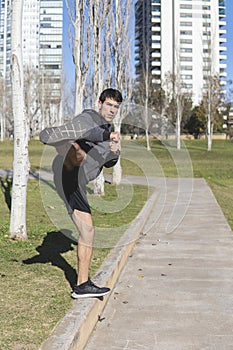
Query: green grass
{"points": [[215, 166], [35, 275]]}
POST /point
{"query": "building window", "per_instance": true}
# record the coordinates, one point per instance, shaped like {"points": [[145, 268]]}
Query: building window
{"points": [[51, 66], [207, 34], [182, 6], [186, 24], [45, 25], [186, 59], [187, 50], [186, 77], [205, 7], [186, 15], [185, 32], [186, 41], [205, 15], [186, 68]]}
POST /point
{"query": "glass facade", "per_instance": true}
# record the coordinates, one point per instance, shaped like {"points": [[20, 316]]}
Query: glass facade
{"points": [[41, 42], [181, 36]]}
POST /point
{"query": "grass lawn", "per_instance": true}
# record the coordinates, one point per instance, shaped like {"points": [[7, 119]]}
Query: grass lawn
{"points": [[36, 275], [215, 166]]}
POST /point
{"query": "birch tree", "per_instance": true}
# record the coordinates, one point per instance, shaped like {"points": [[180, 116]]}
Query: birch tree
{"points": [[147, 80], [32, 107], [98, 17], [121, 50], [117, 65], [212, 86], [145, 88], [99, 11], [2, 109], [212, 101], [100, 51], [21, 161], [80, 45], [176, 97]]}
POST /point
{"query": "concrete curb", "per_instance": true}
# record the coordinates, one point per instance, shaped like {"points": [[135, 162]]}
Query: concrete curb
{"points": [[75, 328]]}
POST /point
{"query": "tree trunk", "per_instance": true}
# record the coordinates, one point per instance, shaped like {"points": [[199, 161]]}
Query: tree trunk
{"points": [[123, 79], [209, 136], [99, 184], [3, 112], [117, 169], [79, 88], [147, 126], [178, 122], [21, 161], [117, 173]]}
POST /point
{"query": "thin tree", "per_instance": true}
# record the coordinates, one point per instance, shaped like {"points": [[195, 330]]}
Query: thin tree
{"points": [[80, 42], [212, 87], [176, 95], [2, 109], [99, 11], [121, 52], [21, 161], [145, 87], [32, 107]]}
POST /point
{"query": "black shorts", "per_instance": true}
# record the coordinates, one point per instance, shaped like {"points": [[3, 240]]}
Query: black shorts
{"points": [[71, 186]]}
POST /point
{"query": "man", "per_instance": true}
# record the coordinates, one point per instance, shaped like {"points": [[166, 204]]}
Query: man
{"points": [[85, 145]]}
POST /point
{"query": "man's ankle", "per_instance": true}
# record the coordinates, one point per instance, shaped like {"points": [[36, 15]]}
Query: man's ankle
{"points": [[81, 281]]}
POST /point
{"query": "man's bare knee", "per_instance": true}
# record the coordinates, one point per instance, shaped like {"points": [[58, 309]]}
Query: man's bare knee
{"points": [[84, 223]]}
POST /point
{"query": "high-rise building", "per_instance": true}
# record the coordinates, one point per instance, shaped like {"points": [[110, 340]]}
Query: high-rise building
{"points": [[50, 53], [5, 39], [185, 37], [41, 42]]}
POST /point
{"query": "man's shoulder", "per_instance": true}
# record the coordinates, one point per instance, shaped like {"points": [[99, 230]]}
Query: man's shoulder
{"points": [[89, 116], [89, 111]]}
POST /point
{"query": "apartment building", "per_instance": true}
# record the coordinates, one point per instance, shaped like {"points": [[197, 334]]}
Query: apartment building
{"points": [[183, 37], [42, 27]]}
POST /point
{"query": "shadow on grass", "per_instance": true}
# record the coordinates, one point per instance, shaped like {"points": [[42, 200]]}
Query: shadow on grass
{"points": [[53, 245], [6, 186]]}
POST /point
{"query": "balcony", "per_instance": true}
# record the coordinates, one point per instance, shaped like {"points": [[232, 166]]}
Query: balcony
{"points": [[223, 75], [222, 23], [156, 64], [222, 66], [222, 40], [223, 57]]}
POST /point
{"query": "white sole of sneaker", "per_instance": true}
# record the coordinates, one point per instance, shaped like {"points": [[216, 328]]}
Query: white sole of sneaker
{"points": [[83, 296]]}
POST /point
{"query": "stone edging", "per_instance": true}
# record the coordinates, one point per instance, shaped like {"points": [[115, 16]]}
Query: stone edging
{"points": [[74, 329]]}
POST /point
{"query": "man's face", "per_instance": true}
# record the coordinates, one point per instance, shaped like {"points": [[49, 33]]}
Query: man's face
{"points": [[108, 109]]}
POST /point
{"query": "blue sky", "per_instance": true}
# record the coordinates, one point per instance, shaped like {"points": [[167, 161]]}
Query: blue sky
{"points": [[68, 63], [229, 20]]}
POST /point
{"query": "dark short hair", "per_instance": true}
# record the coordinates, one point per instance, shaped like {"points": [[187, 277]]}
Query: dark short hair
{"points": [[112, 94]]}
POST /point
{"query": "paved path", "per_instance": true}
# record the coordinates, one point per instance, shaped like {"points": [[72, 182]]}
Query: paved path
{"points": [[176, 289]]}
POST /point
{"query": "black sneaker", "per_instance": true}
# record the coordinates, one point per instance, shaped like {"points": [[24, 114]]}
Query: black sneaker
{"points": [[89, 290], [70, 131]]}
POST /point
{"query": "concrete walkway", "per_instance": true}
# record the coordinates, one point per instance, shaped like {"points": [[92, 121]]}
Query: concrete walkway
{"points": [[176, 289]]}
